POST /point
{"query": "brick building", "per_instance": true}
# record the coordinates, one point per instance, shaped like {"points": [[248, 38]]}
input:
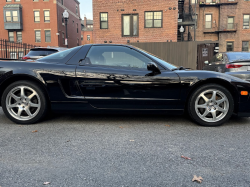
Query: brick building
{"points": [[87, 31], [225, 21], [39, 22], [122, 21]]}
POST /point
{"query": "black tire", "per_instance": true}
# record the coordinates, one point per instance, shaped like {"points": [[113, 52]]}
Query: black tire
{"points": [[43, 102], [191, 105]]}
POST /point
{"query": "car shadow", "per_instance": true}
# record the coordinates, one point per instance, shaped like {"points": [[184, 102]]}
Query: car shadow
{"points": [[125, 119], [155, 119]]}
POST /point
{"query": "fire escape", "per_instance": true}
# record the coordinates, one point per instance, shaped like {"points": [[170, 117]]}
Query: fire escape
{"points": [[186, 20], [222, 26]]}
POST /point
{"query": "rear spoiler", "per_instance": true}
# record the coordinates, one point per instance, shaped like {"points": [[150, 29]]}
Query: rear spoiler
{"points": [[9, 59]]}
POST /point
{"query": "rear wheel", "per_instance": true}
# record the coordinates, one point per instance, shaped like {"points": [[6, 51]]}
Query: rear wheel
{"points": [[211, 105], [24, 102]]}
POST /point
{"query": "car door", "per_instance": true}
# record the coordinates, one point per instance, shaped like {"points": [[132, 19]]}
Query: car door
{"points": [[116, 77]]}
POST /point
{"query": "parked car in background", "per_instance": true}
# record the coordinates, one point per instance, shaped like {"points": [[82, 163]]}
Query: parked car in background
{"points": [[40, 52], [229, 62]]}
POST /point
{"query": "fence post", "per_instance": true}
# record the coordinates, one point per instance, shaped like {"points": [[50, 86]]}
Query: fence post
{"points": [[6, 52]]}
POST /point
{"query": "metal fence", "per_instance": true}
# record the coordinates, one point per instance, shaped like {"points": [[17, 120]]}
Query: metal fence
{"points": [[14, 50]]}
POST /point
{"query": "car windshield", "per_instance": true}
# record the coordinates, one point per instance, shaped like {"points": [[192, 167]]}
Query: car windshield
{"points": [[154, 57], [238, 56], [57, 56]]}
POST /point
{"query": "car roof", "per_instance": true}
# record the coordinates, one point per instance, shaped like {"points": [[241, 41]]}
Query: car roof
{"points": [[111, 45]]}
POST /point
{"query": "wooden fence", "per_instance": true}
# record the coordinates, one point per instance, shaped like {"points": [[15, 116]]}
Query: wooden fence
{"points": [[177, 53]]}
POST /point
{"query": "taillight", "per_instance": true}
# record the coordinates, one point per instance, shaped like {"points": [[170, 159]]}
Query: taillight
{"points": [[25, 57], [233, 66]]}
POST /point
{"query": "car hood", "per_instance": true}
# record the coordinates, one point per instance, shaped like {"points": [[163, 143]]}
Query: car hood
{"points": [[244, 75]]}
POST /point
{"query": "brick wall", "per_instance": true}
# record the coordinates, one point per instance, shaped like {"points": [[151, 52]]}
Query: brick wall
{"points": [[220, 16], [114, 31], [29, 26], [85, 34], [243, 7]]}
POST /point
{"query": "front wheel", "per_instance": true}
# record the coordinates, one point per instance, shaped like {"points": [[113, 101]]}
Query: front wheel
{"points": [[211, 105], [24, 102]]}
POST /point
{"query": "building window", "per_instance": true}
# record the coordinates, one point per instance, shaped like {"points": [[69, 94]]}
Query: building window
{"points": [[11, 16], [38, 36], [76, 10], [103, 20], [73, 23], [20, 54], [208, 1], [77, 42], [8, 16], [63, 37], [208, 21], [230, 46], [230, 23], [153, 19], [88, 37], [245, 21], [62, 2], [77, 28], [130, 25], [17, 0], [62, 19], [193, 1], [14, 16], [82, 37], [47, 36], [19, 37], [13, 55], [36, 16], [46, 16], [8, 0], [245, 46], [11, 36], [35, 0]]}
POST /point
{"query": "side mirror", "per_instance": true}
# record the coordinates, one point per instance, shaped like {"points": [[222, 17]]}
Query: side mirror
{"points": [[206, 62], [85, 61], [153, 67]]}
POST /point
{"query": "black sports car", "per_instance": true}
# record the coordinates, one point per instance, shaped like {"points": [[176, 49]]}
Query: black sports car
{"points": [[112, 78]]}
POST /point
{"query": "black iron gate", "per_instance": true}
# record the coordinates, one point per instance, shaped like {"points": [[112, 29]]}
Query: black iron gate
{"points": [[14, 50]]}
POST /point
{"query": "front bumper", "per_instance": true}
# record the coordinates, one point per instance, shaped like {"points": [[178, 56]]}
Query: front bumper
{"points": [[243, 108]]}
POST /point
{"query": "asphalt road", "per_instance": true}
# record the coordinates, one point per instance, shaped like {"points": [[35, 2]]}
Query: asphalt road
{"points": [[123, 150]]}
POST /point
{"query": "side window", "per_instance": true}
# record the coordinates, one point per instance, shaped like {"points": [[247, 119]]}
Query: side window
{"points": [[116, 56], [225, 59], [213, 59], [219, 58]]}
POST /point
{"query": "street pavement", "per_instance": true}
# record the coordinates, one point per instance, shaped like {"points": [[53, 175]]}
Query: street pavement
{"points": [[123, 150]]}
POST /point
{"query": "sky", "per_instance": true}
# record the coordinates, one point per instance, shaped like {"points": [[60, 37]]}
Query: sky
{"points": [[86, 8]]}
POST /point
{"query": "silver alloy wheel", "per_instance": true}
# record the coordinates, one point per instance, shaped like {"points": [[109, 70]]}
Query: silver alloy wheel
{"points": [[23, 103], [212, 105]]}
